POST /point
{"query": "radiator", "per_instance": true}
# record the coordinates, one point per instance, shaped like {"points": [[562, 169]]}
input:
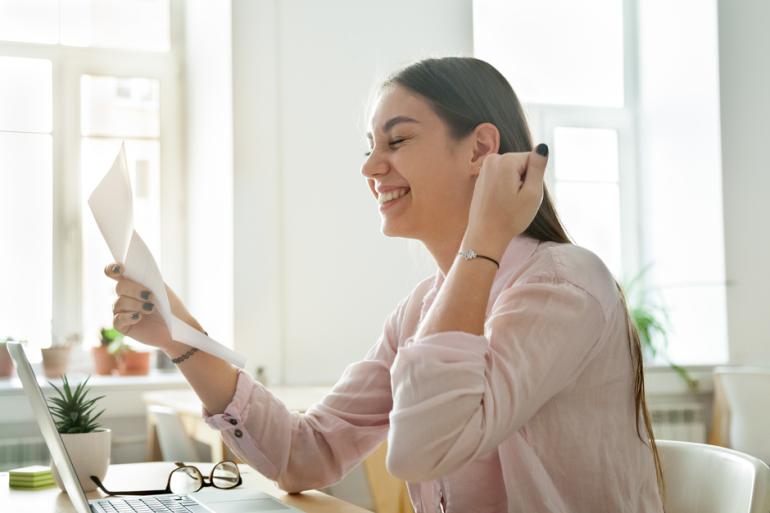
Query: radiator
{"points": [[679, 421], [21, 452]]}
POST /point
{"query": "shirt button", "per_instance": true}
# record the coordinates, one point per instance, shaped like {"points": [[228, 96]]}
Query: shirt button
{"points": [[238, 433], [232, 421]]}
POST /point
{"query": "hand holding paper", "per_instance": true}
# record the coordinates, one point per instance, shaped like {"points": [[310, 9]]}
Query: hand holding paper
{"points": [[112, 206]]}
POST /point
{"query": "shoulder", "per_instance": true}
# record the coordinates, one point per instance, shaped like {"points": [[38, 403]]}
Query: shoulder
{"points": [[574, 266]]}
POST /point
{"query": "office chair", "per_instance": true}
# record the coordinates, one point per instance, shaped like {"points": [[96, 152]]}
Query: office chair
{"points": [[175, 443], [701, 478]]}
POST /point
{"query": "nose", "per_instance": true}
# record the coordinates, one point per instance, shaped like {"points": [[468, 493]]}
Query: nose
{"points": [[374, 165]]}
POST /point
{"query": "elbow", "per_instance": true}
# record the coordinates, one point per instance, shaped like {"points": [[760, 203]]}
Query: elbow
{"points": [[411, 461], [291, 485]]}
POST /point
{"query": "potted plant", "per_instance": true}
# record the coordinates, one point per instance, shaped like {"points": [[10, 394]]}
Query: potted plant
{"points": [[56, 358], [652, 323], [87, 443], [6, 364], [104, 361], [130, 361]]}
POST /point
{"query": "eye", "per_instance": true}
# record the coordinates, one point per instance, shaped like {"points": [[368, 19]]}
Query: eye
{"points": [[393, 143]]}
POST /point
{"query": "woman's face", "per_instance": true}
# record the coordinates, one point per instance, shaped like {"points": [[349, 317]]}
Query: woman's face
{"points": [[419, 174]]}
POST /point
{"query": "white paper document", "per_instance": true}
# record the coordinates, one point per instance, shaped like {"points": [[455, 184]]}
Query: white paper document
{"points": [[112, 206]]}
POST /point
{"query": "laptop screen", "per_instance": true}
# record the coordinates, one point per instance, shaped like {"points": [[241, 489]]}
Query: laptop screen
{"points": [[52, 439]]}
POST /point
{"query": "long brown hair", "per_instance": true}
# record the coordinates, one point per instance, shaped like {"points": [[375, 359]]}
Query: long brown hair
{"points": [[466, 92]]}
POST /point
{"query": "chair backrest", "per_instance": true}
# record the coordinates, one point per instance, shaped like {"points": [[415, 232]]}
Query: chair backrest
{"points": [[701, 478], [175, 443], [747, 392]]}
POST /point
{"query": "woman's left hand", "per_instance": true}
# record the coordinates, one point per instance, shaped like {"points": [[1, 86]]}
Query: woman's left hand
{"points": [[506, 198]]}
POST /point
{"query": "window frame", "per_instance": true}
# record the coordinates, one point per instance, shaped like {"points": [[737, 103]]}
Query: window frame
{"points": [[69, 63], [545, 118]]}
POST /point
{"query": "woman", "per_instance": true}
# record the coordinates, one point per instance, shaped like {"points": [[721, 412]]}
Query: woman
{"points": [[512, 381]]}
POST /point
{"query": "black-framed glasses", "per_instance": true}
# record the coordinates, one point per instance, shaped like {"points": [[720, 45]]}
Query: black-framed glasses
{"points": [[186, 479]]}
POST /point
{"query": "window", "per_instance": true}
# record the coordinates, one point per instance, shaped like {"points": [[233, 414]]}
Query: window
{"points": [[26, 181], [635, 168], [80, 77]]}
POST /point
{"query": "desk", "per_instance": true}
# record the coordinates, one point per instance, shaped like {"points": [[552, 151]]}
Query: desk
{"points": [[149, 475]]}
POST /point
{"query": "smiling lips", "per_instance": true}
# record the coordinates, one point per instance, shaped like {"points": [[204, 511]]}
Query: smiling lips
{"points": [[393, 195]]}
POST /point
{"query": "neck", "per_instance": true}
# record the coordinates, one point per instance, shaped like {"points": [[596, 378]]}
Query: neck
{"points": [[444, 250]]}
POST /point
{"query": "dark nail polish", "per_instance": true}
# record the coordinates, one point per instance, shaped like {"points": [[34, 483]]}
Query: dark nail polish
{"points": [[147, 306], [116, 269], [135, 315], [145, 294], [542, 149]]}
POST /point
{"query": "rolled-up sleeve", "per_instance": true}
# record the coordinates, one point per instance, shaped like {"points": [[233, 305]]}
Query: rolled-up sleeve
{"points": [[457, 396]]}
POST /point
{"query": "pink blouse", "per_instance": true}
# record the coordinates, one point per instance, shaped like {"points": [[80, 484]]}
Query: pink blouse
{"points": [[536, 415]]}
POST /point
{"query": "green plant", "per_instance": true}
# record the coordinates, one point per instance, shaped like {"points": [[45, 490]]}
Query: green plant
{"points": [[73, 411], [109, 335], [118, 346], [653, 323]]}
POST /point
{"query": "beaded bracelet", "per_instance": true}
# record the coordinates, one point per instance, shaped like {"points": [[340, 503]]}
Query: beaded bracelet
{"points": [[180, 359]]}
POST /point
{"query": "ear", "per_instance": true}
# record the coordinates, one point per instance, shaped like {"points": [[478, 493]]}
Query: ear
{"points": [[485, 140]]}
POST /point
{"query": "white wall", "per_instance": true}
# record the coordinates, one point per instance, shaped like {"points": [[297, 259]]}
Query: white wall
{"points": [[314, 277], [744, 46]]}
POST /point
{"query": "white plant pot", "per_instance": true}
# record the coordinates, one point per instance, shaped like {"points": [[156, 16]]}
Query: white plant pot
{"points": [[90, 455]]}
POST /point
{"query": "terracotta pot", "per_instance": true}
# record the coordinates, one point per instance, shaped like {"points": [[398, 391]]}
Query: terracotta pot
{"points": [[6, 364], [133, 363], [104, 362], [90, 455], [55, 361]]}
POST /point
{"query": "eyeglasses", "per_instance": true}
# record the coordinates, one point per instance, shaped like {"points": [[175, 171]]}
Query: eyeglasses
{"points": [[187, 479]]}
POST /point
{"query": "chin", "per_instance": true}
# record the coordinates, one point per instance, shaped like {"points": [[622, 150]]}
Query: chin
{"points": [[395, 230]]}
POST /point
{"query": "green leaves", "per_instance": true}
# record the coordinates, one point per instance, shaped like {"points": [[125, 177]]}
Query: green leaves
{"points": [[653, 324], [110, 335], [73, 411]]}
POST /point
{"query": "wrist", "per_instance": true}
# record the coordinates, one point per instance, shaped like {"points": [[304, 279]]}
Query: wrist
{"points": [[492, 247], [175, 349]]}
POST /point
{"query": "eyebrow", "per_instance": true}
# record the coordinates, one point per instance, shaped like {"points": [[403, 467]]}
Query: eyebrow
{"points": [[393, 122]]}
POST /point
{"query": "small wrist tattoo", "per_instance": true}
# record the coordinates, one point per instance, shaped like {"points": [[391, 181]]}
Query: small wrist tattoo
{"points": [[185, 356]]}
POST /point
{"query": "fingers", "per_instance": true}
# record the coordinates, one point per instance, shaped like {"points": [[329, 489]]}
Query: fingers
{"points": [[535, 173], [114, 271], [129, 288], [130, 305], [123, 322]]}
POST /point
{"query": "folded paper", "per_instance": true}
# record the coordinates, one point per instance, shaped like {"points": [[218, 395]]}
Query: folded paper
{"points": [[112, 206]]}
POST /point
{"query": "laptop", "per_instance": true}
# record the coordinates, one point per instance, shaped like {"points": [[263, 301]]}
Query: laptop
{"points": [[239, 500]]}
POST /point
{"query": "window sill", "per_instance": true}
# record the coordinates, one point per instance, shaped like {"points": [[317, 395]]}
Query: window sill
{"points": [[662, 380], [156, 378], [122, 394]]}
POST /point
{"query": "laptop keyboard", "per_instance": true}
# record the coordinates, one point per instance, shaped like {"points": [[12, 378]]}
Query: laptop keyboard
{"points": [[150, 504]]}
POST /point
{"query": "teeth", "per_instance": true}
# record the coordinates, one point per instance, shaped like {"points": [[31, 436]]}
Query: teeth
{"points": [[392, 195]]}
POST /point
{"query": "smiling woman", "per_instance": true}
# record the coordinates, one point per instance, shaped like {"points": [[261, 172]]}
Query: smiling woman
{"points": [[511, 380]]}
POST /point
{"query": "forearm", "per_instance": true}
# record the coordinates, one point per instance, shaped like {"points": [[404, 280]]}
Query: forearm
{"points": [[462, 302], [213, 379]]}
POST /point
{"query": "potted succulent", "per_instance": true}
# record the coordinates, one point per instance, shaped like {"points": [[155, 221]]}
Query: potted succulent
{"points": [[6, 364], [104, 361], [87, 443], [652, 323], [130, 361]]}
